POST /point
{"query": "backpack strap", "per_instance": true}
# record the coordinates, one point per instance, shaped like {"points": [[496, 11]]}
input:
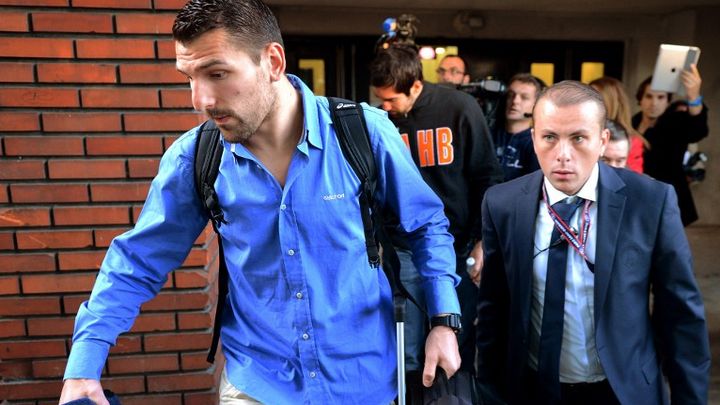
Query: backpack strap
{"points": [[208, 153], [352, 133]]}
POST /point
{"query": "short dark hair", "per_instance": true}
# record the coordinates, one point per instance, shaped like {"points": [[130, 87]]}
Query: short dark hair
{"points": [[396, 66], [571, 92], [643, 86], [250, 22], [617, 131], [466, 64], [527, 78]]}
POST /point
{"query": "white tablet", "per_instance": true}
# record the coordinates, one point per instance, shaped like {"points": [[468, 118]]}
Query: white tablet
{"points": [[671, 60]]}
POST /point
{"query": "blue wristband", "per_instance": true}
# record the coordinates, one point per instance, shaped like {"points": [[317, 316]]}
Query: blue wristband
{"points": [[697, 102]]}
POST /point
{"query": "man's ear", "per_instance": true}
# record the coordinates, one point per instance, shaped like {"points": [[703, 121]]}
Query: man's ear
{"points": [[416, 88], [275, 55]]}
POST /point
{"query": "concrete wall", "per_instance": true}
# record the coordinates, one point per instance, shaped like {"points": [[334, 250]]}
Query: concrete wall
{"points": [[642, 34]]}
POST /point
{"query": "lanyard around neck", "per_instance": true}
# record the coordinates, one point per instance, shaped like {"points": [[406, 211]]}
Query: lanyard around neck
{"points": [[577, 241]]}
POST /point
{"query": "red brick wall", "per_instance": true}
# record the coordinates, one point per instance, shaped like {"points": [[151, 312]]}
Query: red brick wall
{"points": [[89, 101]]}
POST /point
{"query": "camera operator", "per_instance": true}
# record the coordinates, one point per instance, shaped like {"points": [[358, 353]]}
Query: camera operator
{"points": [[449, 142], [512, 138], [453, 70]]}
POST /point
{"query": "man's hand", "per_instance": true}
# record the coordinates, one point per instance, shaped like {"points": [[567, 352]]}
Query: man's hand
{"points": [[80, 388], [476, 271], [691, 81], [441, 349]]}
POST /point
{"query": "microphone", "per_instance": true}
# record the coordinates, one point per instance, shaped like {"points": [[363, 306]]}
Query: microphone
{"points": [[527, 115]]}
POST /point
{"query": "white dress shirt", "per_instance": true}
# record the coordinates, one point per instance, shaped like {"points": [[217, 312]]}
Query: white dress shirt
{"points": [[579, 361]]}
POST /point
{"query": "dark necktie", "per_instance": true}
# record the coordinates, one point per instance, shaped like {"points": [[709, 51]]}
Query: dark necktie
{"points": [[554, 306]]}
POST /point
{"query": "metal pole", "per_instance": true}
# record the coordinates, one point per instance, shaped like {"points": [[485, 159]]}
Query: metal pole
{"points": [[400, 330]]}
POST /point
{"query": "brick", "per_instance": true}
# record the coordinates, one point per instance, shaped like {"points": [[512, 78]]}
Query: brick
{"points": [[120, 98], [9, 286], [14, 22], [87, 169], [135, 191], [176, 341], [11, 328], [196, 258], [91, 215], [166, 121], [151, 73], [26, 3], [169, 4], [72, 22], [115, 48], [166, 49], [124, 145], [29, 389], [127, 344], [165, 399], [81, 122], [29, 306], [15, 370], [54, 368], [52, 239], [26, 263], [139, 23], [39, 97], [190, 278], [57, 283], [4, 194], [176, 98], [24, 217], [180, 382], [154, 323], [6, 241], [36, 48], [19, 121], [90, 260], [173, 301], [125, 385], [136, 4], [76, 73], [143, 168], [31, 349], [194, 320], [142, 364], [16, 72], [103, 237], [169, 140], [50, 326], [44, 145], [71, 304], [22, 169], [136, 210], [201, 398], [48, 193], [194, 361]]}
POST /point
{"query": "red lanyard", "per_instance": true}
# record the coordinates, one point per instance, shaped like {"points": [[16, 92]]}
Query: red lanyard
{"points": [[578, 242]]}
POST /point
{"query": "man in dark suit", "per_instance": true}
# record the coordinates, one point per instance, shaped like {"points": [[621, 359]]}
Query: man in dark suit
{"points": [[572, 253]]}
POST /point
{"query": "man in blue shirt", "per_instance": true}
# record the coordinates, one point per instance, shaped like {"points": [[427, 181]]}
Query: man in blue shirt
{"points": [[307, 319]]}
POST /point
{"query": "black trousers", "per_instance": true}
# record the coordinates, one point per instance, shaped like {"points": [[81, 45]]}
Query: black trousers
{"points": [[595, 393]]}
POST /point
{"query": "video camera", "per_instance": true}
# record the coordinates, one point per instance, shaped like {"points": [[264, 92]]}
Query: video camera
{"points": [[490, 94], [398, 31]]}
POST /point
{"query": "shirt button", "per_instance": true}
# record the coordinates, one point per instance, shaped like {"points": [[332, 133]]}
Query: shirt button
{"points": [[291, 252], [312, 374], [305, 336], [299, 295], [282, 207]]}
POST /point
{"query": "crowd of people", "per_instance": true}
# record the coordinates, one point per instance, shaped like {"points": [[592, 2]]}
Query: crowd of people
{"points": [[580, 289]]}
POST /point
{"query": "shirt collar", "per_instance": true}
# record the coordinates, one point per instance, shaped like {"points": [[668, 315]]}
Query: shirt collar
{"points": [[588, 190]]}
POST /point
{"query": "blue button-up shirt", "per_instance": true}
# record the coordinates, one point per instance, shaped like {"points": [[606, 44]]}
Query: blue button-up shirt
{"points": [[308, 320]]}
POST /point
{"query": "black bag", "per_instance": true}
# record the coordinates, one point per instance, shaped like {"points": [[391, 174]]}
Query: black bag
{"points": [[461, 389]]}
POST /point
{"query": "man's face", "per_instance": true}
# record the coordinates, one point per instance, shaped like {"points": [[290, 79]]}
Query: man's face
{"points": [[395, 103], [568, 142], [227, 85], [653, 103], [616, 153], [452, 71], [520, 100]]}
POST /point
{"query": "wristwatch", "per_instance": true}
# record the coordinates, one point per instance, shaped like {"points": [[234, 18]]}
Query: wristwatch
{"points": [[452, 321]]}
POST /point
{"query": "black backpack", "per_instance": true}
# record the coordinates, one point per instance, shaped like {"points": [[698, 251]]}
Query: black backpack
{"points": [[349, 123]]}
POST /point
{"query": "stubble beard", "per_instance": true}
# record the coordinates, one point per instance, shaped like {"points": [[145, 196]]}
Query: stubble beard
{"points": [[240, 130]]}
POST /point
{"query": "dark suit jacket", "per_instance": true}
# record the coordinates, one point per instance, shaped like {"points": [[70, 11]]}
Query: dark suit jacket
{"points": [[641, 246]]}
